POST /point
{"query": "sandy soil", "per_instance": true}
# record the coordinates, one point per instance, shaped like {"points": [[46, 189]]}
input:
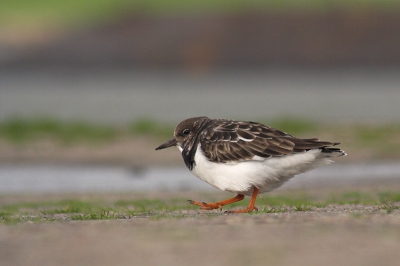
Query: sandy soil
{"points": [[333, 235]]}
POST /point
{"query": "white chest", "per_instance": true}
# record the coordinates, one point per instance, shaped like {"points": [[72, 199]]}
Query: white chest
{"points": [[266, 174]]}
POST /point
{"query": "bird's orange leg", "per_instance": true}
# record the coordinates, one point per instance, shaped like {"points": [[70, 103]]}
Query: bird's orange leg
{"points": [[217, 205], [251, 206]]}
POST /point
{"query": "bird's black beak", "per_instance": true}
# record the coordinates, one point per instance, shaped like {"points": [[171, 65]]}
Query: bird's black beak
{"points": [[169, 143]]}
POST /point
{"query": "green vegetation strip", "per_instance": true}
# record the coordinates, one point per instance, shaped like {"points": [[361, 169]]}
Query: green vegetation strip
{"points": [[47, 13], [74, 209], [21, 130], [381, 140]]}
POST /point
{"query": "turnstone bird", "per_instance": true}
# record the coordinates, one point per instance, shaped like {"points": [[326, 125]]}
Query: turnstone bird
{"points": [[246, 158]]}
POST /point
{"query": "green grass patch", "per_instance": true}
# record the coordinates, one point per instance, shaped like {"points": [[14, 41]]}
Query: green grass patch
{"points": [[356, 197], [383, 136], [47, 13], [376, 133], [73, 209], [369, 141], [380, 141], [149, 127], [389, 197], [19, 130], [73, 206], [23, 130], [295, 200], [148, 205], [284, 203]]}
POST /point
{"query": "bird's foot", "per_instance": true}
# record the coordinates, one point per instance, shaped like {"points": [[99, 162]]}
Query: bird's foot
{"points": [[206, 206], [248, 209], [216, 205]]}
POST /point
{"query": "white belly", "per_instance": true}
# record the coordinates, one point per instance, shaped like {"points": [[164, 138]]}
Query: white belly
{"points": [[265, 174]]}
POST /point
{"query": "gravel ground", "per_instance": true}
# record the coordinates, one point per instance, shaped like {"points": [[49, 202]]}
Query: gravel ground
{"points": [[333, 235]]}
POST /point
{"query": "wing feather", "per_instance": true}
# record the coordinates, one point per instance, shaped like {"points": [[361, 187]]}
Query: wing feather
{"points": [[226, 140]]}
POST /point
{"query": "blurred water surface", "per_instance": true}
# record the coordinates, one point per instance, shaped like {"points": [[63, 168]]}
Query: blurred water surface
{"points": [[123, 95], [65, 179]]}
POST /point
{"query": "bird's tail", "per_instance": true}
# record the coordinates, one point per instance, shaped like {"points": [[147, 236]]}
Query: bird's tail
{"points": [[332, 152]]}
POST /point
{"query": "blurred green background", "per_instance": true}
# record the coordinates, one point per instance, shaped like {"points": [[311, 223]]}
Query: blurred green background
{"points": [[102, 72], [199, 34], [20, 13]]}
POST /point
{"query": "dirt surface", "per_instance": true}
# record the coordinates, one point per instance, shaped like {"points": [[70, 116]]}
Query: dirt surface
{"points": [[330, 235]]}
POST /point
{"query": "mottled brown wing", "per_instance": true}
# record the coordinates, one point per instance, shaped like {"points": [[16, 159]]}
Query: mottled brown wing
{"points": [[226, 140]]}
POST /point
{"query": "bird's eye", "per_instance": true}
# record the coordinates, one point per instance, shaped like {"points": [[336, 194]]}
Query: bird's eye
{"points": [[186, 132]]}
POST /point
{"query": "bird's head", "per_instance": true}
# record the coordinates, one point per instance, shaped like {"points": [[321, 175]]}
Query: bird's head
{"points": [[184, 132]]}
